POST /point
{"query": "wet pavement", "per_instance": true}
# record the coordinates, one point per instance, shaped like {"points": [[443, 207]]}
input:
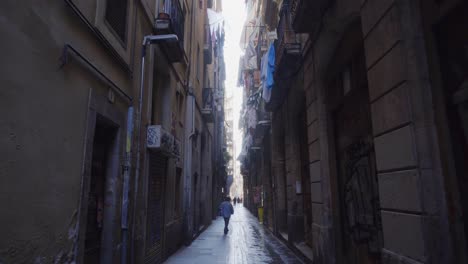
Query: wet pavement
{"points": [[246, 242]]}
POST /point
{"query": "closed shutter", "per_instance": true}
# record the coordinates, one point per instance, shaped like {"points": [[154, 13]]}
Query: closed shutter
{"points": [[155, 211]]}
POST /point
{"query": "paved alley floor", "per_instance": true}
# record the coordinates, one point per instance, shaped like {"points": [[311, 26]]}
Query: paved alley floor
{"points": [[246, 242]]}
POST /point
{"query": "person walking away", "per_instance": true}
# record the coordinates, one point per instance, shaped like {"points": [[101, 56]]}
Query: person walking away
{"points": [[226, 211], [235, 201]]}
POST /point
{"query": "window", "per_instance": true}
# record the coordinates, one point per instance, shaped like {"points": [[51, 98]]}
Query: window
{"points": [[116, 17]]}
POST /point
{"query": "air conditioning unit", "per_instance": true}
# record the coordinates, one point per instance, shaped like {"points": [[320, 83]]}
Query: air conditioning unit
{"points": [[159, 139]]}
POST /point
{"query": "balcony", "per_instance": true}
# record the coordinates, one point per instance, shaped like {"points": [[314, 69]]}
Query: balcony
{"points": [[171, 20], [288, 46], [208, 46], [208, 105], [306, 14], [288, 54], [263, 124]]}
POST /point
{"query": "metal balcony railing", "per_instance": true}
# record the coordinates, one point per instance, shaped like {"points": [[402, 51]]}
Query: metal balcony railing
{"points": [[306, 14], [288, 54], [171, 20], [208, 105], [287, 39], [208, 45], [295, 4], [282, 25], [208, 98], [173, 8], [207, 36]]}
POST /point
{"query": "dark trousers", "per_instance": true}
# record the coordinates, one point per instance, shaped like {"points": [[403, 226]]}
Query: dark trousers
{"points": [[226, 222]]}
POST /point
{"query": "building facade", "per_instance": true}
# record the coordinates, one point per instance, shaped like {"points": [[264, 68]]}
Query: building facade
{"points": [[214, 95], [368, 129], [107, 155], [235, 189]]}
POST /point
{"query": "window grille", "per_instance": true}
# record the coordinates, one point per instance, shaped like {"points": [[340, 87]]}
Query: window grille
{"points": [[116, 16]]}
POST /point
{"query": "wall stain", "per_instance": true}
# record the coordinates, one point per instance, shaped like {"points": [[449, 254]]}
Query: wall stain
{"points": [[60, 248]]}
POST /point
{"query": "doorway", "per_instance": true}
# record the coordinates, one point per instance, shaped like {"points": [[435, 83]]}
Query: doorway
{"points": [[452, 44], [155, 207], [305, 178], [356, 173], [195, 205], [103, 145], [268, 183], [279, 167]]}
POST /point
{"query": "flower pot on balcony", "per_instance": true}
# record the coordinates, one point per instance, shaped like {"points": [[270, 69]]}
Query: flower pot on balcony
{"points": [[164, 15], [163, 21]]}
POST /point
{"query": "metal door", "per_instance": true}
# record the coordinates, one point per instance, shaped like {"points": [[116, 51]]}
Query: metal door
{"points": [[155, 208]]}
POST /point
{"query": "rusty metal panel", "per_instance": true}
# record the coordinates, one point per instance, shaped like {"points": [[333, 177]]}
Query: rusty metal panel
{"points": [[155, 209]]}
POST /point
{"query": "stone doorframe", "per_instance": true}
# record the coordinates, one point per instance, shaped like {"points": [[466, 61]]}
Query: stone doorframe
{"points": [[432, 16], [100, 105]]}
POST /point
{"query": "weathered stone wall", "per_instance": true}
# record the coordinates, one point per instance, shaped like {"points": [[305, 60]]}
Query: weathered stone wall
{"points": [[411, 196], [46, 110], [48, 130], [409, 174]]}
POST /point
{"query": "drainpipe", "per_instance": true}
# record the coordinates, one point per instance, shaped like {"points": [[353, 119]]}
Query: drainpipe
{"points": [[126, 184], [147, 40], [190, 132], [190, 119]]}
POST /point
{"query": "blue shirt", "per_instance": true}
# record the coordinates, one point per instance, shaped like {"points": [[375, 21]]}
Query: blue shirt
{"points": [[271, 66], [226, 209]]}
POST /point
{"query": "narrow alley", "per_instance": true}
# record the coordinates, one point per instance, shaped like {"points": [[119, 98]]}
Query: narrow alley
{"points": [[247, 242], [338, 130]]}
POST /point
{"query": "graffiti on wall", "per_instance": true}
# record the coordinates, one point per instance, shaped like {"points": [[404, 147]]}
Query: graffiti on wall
{"points": [[361, 199]]}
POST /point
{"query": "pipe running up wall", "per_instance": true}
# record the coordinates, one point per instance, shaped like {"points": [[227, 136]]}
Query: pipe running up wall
{"points": [[126, 185], [189, 132]]}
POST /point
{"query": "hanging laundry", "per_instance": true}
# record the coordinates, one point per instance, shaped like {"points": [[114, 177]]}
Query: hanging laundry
{"points": [[263, 72], [270, 70], [240, 75], [250, 57], [247, 142], [251, 118], [257, 78]]}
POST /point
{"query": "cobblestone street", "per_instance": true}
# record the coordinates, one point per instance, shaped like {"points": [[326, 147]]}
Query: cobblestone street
{"points": [[246, 242]]}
